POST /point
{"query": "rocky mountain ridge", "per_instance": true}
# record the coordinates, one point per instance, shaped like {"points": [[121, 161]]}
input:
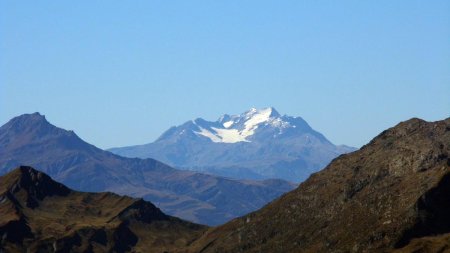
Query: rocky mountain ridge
{"points": [[41, 215], [391, 195], [31, 140], [257, 144]]}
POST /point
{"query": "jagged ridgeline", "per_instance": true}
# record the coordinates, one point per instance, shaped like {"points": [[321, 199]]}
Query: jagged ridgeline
{"points": [[257, 144], [392, 195], [30, 139], [41, 215]]}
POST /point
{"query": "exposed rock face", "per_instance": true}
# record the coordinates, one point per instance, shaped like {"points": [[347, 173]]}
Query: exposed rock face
{"points": [[392, 194], [41, 215]]}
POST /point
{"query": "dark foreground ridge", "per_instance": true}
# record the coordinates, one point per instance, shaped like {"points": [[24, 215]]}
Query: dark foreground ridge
{"points": [[38, 214], [392, 195]]}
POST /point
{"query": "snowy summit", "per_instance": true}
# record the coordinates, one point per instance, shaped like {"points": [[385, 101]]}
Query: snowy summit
{"points": [[237, 128], [256, 144]]}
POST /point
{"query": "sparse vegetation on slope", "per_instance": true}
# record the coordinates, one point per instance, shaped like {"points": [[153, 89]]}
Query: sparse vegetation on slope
{"points": [[41, 215], [392, 194]]}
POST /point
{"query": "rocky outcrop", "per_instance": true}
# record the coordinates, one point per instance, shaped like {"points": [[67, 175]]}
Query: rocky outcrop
{"points": [[41, 215]]}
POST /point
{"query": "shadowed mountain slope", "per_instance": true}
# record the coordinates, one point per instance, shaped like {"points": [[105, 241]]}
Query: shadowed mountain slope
{"points": [[392, 194], [41, 215], [31, 140]]}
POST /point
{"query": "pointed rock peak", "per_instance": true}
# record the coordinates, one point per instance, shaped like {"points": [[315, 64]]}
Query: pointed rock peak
{"points": [[23, 173], [26, 176], [142, 211], [27, 121], [268, 112], [36, 184], [273, 112], [32, 117], [35, 114], [224, 118], [199, 121], [252, 110]]}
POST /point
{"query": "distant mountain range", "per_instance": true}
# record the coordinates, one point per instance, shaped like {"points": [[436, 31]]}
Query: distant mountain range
{"points": [[392, 195], [257, 144], [31, 140]]}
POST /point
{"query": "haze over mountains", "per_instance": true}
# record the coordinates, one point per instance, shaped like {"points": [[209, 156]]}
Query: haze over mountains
{"points": [[257, 144], [392, 195], [31, 140]]}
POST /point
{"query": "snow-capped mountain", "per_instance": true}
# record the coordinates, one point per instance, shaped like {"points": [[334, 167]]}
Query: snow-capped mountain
{"points": [[238, 128], [30, 139], [257, 144]]}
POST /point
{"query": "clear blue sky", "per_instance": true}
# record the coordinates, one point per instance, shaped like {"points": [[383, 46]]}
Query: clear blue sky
{"points": [[122, 72]]}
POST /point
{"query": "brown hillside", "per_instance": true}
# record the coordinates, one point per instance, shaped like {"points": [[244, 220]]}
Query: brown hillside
{"points": [[394, 193], [38, 214]]}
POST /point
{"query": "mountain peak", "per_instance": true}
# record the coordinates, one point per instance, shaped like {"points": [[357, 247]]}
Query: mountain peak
{"points": [[237, 128], [251, 125], [37, 185], [268, 111], [27, 121], [34, 127], [68, 222], [273, 112], [36, 117], [24, 174], [254, 144]]}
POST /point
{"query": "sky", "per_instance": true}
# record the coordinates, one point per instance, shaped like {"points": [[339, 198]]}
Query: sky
{"points": [[122, 72]]}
